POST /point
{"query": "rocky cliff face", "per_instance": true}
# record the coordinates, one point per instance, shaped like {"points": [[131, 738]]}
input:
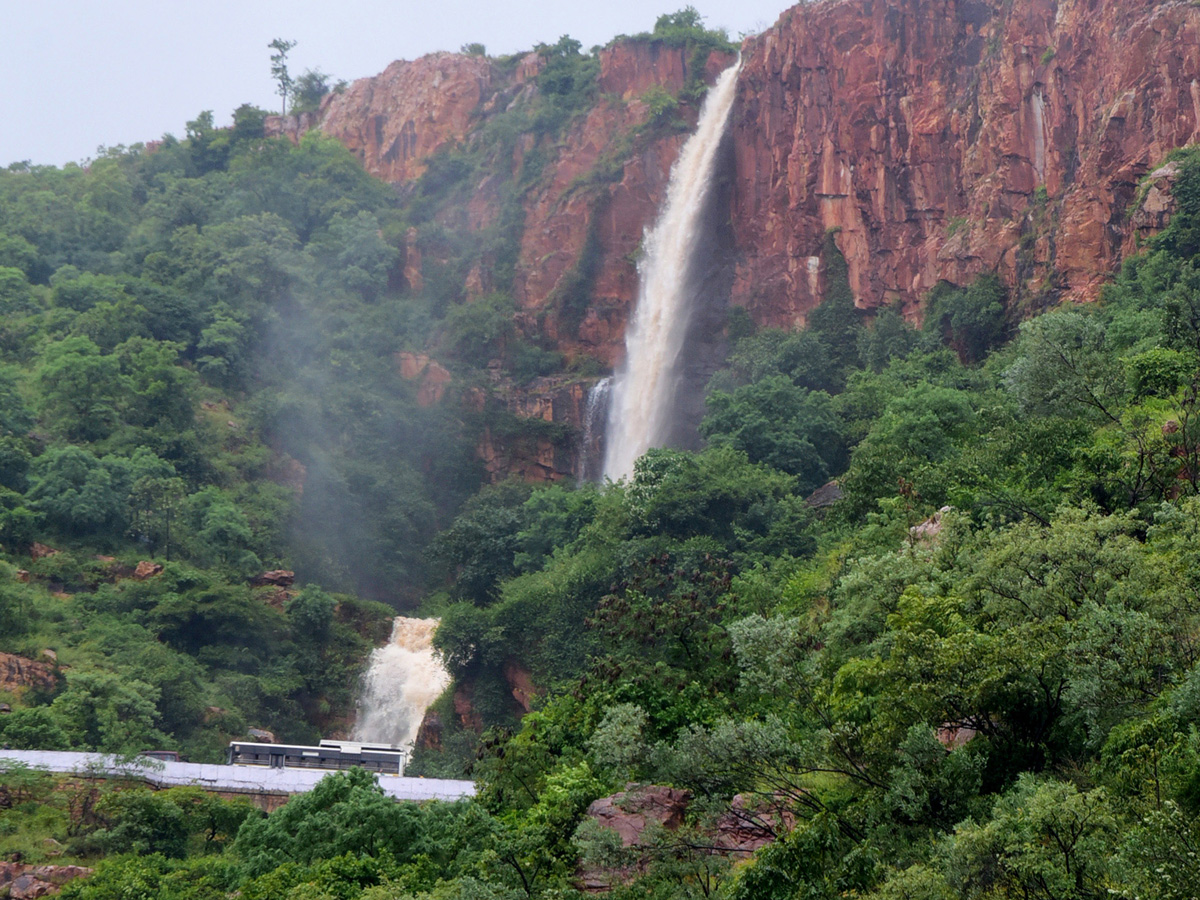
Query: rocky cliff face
{"points": [[598, 191], [397, 119], [945, 138], [597, 186], [939, 138]]}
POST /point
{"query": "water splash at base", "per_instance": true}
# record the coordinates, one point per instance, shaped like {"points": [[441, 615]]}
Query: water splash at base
{"points": [[403, 679]]}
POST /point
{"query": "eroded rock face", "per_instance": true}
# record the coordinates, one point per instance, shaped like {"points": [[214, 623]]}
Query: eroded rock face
{"points": [[562, 220], [22, 882], [540, 458], [1152, 212], [747, 825], [945, 138], [397, 119], [147, 569], [629, 812], [283, 578], [18, 673], [520, 683]]}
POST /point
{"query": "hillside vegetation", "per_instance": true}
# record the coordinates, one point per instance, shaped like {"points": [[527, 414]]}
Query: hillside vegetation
{"points": [[973, 674]]}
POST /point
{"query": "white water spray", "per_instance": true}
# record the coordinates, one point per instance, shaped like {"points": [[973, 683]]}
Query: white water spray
{"points": [[594, 417], [403, 678], [645, 387]]}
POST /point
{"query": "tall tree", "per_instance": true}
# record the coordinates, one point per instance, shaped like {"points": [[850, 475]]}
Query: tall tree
{"points": [[279, 69]]}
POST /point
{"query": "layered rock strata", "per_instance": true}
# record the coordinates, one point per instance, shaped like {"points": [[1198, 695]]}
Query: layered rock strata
{"points": [[945, 138]]}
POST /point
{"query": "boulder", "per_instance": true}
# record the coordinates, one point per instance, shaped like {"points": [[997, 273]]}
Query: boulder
{"points": [[277, 577], [22, 882], [629, 812], [18, 673], [147, 569]]}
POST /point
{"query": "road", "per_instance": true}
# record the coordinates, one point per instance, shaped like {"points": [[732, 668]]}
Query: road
{"points": [[225, 779]]}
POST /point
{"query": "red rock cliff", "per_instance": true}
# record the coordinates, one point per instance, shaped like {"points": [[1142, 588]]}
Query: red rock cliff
{"points": [[396, 120], [598, 188], [940, 138], [944, 138]]}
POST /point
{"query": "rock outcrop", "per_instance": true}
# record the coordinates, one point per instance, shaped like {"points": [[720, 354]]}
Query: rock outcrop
{"points": [[945, 138], [18, 673], [22, 882], [631, 811], [629, 814], [399, 118], [641, 813], [283, 578], [147, 569]]}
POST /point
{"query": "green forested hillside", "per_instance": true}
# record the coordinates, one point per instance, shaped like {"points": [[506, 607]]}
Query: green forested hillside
{"points": [[970, 675], [196, 368]]}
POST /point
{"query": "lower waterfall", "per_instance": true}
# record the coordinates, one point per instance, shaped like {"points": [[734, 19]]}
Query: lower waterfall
{"points": [[591, 453], [403, 678], [645, 389]]}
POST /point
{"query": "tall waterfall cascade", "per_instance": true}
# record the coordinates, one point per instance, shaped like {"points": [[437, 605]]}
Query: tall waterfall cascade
{"points": [[403, 679], [644, 389]]}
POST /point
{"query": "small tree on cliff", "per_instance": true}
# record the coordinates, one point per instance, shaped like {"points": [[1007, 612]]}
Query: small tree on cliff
{"points": [[279, 69]]}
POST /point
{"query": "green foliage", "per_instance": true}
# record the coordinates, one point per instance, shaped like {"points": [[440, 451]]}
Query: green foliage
{"points": [[79, 387], [1159, 372], [567, 81], [346, 814], [836, 320], [480, 330], [16, 294], [889, 337], [168, 822], [685, 28], [660, 107], [310, 88], [481, 544], [79, 493], [36, 728], [775, 422], [970, 320], [103, 712], [1044, 840]]}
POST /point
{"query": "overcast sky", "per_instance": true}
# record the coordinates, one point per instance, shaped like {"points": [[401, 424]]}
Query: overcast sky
{"points": [[79, 74]]}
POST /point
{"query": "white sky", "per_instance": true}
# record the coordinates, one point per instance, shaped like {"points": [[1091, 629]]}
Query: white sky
{"points": [[78, 74]]}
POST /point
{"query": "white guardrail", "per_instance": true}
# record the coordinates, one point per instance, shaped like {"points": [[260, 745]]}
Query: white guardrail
{"points": [[234, 779]]}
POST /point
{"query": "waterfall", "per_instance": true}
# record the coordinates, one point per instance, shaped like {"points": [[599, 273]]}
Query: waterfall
{"points": [[645, 388], [594, 416], [403, 678]]}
